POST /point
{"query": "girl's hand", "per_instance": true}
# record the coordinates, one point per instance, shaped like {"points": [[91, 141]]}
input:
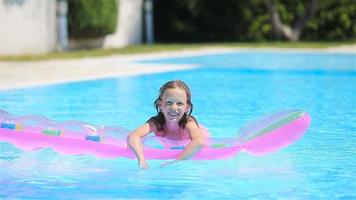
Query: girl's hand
{"points": [[143, 164]]}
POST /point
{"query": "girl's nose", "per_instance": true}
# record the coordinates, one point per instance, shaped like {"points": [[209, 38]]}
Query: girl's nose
{"points": [[174, 106]]}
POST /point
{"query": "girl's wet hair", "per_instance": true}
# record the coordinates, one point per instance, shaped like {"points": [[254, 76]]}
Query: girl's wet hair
{"points": [[159, 119]]}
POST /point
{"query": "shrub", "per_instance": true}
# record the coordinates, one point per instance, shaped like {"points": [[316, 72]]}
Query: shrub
{"points": [[91, 18]]}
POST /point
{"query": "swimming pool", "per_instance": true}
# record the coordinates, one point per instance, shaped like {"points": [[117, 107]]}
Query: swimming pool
{"points": [[228, 91]]}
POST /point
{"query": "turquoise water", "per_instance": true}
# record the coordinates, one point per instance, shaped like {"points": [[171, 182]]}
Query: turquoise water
{"points": [[228, 90]]}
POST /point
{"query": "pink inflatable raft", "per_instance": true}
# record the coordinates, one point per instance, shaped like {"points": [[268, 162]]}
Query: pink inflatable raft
{"points": [[260, 137]]}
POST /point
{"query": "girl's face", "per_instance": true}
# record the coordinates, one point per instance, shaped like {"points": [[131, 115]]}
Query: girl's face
{"points": [[174, 104]]}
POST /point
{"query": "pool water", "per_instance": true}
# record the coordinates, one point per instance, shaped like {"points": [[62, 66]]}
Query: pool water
{"points": [[229, 90]]}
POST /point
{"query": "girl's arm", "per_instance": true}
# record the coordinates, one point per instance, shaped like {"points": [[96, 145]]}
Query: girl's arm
{"points": [[194, 146], [134, 142]]}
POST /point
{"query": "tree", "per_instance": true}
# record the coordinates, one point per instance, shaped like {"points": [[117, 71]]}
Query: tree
{"points": [[292, 32]]}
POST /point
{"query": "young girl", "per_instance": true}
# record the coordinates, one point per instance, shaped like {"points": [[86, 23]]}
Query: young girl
{"points": [[173, 121]]}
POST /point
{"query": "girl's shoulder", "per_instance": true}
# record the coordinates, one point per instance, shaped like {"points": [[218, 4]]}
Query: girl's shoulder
{"points": [[192, 120], [194, 125], [191, 124], [154, 124]]}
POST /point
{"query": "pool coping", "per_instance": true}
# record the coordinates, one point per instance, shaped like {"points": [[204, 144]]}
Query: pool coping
{"points": [[14, 75]]}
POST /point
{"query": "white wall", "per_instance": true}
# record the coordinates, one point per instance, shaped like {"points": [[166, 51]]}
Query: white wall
{"points": [[30, 26], [129, 25], [27, 26]]}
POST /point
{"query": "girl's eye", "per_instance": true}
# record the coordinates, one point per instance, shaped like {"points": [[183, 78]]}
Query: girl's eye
{"points": [[169, 103]]}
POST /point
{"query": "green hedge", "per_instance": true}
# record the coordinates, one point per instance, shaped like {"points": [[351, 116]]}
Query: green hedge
{"points": [[91, 18]]}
